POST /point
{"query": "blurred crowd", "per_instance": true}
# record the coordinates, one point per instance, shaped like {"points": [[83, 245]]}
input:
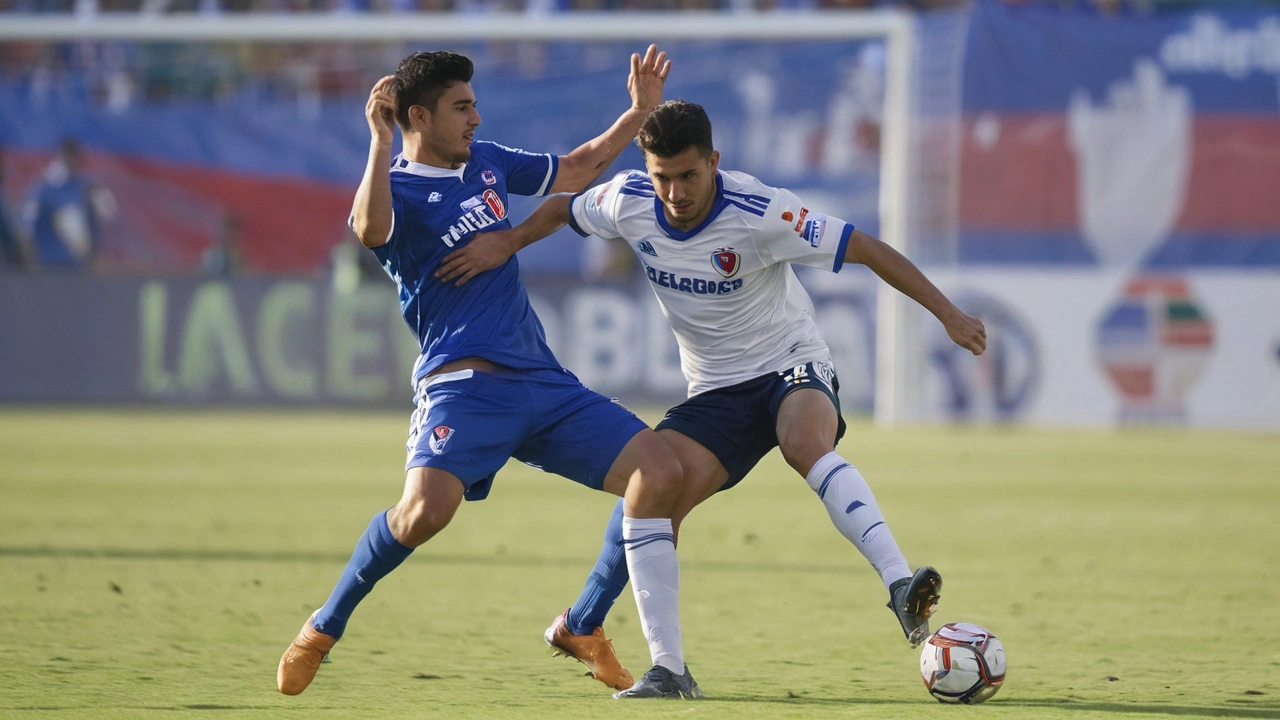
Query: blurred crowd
{"points": [[156, 7]]}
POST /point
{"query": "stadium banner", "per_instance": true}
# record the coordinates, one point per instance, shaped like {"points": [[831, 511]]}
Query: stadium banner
{"points": [[300, 341], [1074, 347], [1108, 349], [1127, 141]]}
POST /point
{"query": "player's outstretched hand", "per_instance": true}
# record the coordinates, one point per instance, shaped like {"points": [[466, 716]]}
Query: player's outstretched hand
{"points": [[486, 251], [967, 331], [648, 75], [380, 111]]}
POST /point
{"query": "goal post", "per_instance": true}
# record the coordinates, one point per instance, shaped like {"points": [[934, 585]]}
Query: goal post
{"points": [[897, 332]]}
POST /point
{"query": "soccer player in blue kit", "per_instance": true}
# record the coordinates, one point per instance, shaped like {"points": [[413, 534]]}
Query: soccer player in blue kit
{"points": [[487, 386], [717, 247]]}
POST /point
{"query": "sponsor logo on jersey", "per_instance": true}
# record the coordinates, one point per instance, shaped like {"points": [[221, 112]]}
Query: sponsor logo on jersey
{"points": [[813, 231], [646, 247], [693, 286], [726, 261], [481, 212], [433, 197], [494, 203], [804, 212], [787, 216], [439, 436], [489, 178]]}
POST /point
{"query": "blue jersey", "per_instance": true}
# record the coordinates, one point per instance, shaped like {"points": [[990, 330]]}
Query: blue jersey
{"points": [[437, 210]]}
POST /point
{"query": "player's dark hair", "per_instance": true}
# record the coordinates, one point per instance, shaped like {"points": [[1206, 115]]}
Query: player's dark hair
{"points": [[673, 127], [425, 76]]}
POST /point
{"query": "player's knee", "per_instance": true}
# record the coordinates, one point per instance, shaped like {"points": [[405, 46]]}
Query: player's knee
{"points": [[660, 481], [802, 453], [414, 521]]}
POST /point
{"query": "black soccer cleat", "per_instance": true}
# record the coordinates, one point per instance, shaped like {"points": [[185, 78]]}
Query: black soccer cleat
{"points": [[913, 601], [660, 682]]}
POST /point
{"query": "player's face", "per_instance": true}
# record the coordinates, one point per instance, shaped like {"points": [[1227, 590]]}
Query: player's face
{"points": [[686, 185], [449, 131]]}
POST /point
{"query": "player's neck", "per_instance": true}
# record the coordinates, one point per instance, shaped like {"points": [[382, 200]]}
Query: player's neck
{"points": [[417, 151]]}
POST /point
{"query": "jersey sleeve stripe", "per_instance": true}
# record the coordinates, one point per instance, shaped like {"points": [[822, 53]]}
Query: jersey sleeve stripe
{"points": [[573, 221], [842, 247], [553, 166]]}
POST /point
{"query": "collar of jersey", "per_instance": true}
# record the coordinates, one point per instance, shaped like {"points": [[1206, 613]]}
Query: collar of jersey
{"points": [[717, 204], [404, 164]]}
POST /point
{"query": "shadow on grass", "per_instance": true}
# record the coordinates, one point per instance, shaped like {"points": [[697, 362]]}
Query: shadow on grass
{"points": [[1119, 708], [267, 556]]}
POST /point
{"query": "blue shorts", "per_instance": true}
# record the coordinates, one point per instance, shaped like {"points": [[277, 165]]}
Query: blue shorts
{"points": [[469, 423], [739, 424]]}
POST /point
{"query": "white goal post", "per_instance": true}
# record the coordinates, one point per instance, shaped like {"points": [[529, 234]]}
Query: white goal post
{"points": [[896, 364]]}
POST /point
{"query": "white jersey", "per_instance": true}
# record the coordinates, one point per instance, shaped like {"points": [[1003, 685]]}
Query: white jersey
{"points": [[726, 286]]}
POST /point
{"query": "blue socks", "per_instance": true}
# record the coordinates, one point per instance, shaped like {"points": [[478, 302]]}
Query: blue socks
{"points": [[607, 581], [377, 554]]}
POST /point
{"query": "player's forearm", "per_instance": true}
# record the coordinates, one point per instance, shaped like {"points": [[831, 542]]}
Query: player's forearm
{"points": [[899, 272], [371, 211], [550, 216], [588, 160]]}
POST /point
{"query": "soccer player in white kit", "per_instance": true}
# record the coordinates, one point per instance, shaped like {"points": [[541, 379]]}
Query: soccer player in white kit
{"points": [[717, 247]]}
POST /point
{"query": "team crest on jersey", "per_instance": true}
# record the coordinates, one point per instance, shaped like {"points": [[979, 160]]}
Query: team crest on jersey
{"points": [[439, 436], [646, 247], [726, 261], [489, 178], [433, 197]]}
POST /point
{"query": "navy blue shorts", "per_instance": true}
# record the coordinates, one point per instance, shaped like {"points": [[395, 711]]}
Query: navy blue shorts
{"points": [[469, 423], [739, 424]]}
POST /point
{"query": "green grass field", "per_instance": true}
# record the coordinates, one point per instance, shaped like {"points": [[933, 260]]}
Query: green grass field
{"points": [[155, 565]]}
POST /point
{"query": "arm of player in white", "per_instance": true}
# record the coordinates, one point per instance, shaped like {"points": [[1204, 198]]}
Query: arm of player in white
{"points": [[488, 250], [894, 268], [585, 163]]}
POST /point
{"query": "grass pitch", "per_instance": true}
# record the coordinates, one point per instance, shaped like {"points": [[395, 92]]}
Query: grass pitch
{"points": [[156, 564]]}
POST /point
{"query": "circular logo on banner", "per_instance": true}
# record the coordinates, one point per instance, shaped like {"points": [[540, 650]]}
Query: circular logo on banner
{"points": [[998, 384], [1154, 343]]}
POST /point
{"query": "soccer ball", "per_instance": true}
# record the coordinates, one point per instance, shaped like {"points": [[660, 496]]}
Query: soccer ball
{"points": [[962, 663]]}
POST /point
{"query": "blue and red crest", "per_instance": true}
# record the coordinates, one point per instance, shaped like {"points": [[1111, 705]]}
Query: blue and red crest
{"points": [[488, 177], [726, 261]]}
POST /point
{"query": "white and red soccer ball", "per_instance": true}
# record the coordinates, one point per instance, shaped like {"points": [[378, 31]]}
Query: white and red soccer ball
{"points": [[962, 663]]}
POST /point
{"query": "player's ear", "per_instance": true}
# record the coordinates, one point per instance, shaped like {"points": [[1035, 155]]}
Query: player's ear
{"points": [[713, 161], [419, 118]]}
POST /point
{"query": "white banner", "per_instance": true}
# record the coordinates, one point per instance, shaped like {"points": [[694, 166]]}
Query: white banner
{"points": [[1090, 348]]}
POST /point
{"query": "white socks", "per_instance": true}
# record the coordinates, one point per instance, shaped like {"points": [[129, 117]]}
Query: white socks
{"points": [[655, 578], [854, 512]]}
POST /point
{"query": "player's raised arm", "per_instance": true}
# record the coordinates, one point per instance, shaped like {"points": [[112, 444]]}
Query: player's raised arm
{"points": [[894, 268], [489, 250], [587, 161], [371, 215]]}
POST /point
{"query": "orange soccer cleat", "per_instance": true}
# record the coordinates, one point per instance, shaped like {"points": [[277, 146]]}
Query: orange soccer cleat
{"points": [[300, 662], [594, 650]]}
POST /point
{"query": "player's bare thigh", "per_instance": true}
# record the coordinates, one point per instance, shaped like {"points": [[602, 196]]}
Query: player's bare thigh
{"points": [[647, 475], [807, 426]]}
